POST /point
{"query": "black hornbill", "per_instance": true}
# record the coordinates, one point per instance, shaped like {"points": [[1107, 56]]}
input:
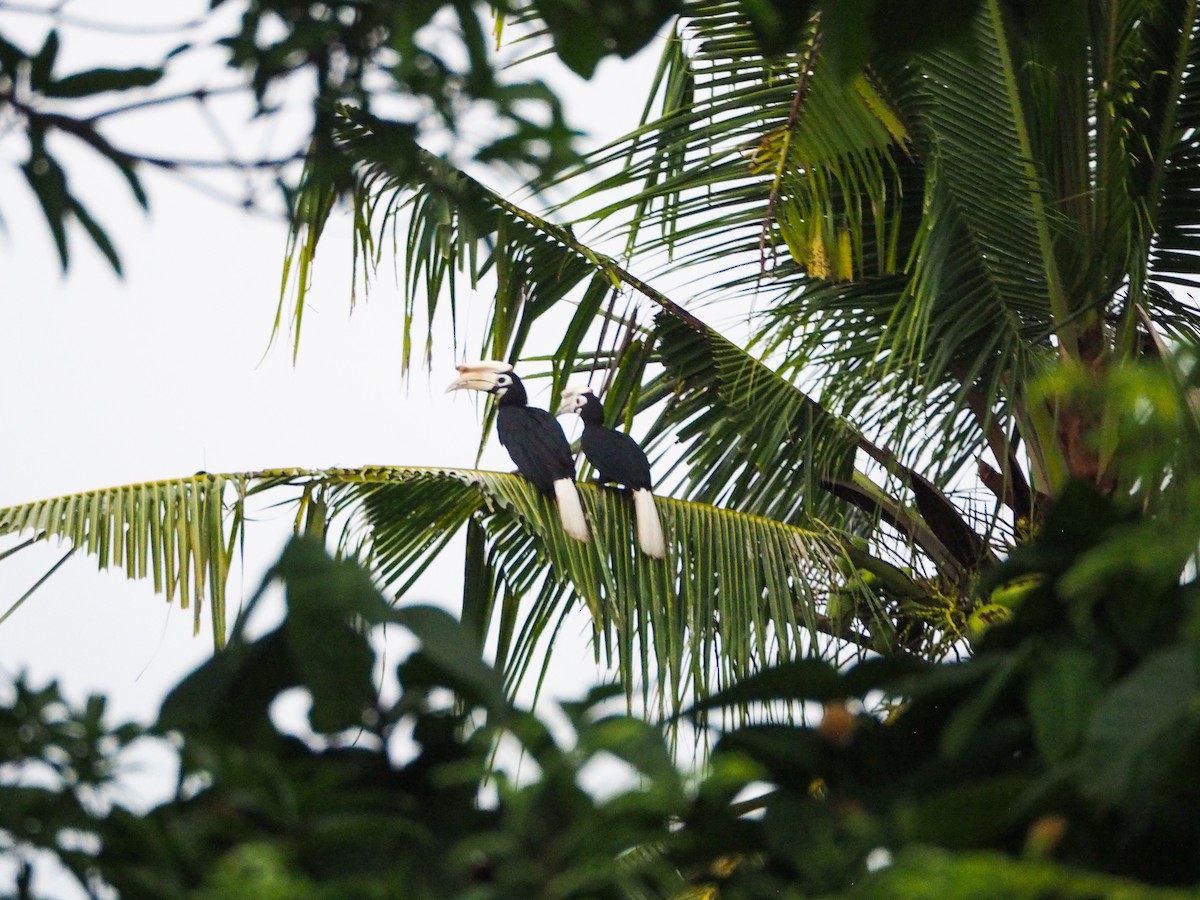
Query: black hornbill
{"points": [[617, 457], [533, 438]]}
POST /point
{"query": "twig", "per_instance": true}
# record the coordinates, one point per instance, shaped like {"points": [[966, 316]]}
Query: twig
{"points": [[238, 165], [83, 129], [56, 12], [199, 95]]}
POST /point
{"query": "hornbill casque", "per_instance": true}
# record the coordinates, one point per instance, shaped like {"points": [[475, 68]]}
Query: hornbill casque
{"points": [[532, 437], [617, 457]]}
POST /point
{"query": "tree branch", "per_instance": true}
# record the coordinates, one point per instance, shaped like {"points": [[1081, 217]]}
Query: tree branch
{"points": [[198, 94]]}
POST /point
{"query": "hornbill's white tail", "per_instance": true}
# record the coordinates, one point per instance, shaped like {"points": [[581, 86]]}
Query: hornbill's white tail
{"points": [[649, 527], [570, 510]]}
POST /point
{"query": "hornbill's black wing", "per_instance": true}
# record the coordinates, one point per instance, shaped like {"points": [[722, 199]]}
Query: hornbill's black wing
{"points": [[536, 443], [616, 457]]}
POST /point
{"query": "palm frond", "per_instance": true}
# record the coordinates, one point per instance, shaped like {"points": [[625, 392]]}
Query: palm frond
{"points": [[1175, 256], [757, 442], [558, 260], [977, 131], [735, 590], [755, 161], [180, 533], [753, 440]]}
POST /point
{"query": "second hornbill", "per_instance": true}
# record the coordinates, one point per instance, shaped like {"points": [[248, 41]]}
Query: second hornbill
{"points": [[617, 457], [532, 437]]}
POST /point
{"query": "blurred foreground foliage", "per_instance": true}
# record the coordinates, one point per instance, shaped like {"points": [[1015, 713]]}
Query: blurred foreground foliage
{"points": [[1060, 760]]}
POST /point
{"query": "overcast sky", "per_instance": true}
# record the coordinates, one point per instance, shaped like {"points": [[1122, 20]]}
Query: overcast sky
{"points": [[109, 381]]}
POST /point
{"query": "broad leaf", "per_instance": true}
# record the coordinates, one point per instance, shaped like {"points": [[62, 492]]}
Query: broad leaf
{"points": [[1061, 694], [97, 81], [1140, 728]]}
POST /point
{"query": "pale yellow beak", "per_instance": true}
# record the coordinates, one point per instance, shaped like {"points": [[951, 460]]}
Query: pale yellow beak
{"points": [[570, 399], [478, 376], [569, 396], [473, 381], [485, 365]]}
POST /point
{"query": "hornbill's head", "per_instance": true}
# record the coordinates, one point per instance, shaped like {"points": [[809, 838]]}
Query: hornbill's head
{"points": [[487, 375], [582, 401], [573, 400]]}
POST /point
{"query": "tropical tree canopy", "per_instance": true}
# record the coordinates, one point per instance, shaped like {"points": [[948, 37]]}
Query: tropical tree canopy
{"points": [[940, 255]]}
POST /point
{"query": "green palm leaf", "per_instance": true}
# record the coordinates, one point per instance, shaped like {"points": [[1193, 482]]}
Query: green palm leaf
{"points": [[760, 444], [1175, 256], [977, 129], [735, 590], [180, 533]]}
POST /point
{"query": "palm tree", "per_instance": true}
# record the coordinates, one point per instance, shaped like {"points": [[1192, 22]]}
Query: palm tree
{"points": [[915, 256]]}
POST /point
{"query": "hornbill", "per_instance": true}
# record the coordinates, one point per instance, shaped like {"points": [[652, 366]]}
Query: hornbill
{"points": [[533, 438], [617, 457]]}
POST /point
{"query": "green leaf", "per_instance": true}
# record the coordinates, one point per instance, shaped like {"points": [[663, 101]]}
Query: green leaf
{"points": [[43, 62], [11, 57], [318, 584], [821, 848], [98, 235], [845, 26], [638, 743], [49, 184], [1140, 729], [790, 755], [479, 583], [129, 173], [585, 32], [331, 657], [1061, 694], [972, 714], [318, 647], [777, 26], [98, 81], [892, 675], [456, 654], [801, 679], [247, 677], [810, 679], [903, 27], [972, 815], [925, 873]]}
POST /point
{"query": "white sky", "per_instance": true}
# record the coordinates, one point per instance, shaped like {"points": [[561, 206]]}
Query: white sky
{"points": [[109, 381]]}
